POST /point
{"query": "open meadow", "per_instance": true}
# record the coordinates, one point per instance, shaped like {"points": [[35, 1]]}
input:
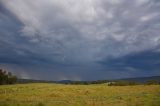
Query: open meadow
{"points": [[43, 94]]}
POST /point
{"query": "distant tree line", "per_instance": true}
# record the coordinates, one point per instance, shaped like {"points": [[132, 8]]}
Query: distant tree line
{"points": [[7, 77], [114, 83], [107, 82], [129, 83], [86, 82], [123, 83], [153, 82]]}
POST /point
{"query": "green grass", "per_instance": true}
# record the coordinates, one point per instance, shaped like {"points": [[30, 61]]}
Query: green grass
{"points": [[79, 95]]}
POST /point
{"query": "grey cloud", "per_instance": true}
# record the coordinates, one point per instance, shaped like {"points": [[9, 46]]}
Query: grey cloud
{"points": [[76, 33]]}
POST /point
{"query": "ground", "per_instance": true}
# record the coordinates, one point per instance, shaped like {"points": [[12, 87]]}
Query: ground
{"points": [[41, 94]]}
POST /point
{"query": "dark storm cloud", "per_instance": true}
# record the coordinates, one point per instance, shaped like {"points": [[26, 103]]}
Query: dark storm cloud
{"points": [[147, 60], [145, 63], [80, 40]]}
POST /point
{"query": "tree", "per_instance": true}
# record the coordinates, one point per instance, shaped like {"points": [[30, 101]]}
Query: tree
{"points": [[7, 77], [3, 77]]}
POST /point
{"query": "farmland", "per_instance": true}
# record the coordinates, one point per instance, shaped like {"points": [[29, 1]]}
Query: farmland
{"points": [[44, 94]]}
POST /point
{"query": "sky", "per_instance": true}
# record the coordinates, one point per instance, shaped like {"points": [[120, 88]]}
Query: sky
{"points": [[80, 39]]}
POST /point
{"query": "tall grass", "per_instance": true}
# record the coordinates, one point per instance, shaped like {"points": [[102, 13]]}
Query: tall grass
{"points": [[79, 95]]}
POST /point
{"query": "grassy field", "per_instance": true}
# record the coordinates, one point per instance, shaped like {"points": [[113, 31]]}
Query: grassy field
{"points": [[79, 95]]}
